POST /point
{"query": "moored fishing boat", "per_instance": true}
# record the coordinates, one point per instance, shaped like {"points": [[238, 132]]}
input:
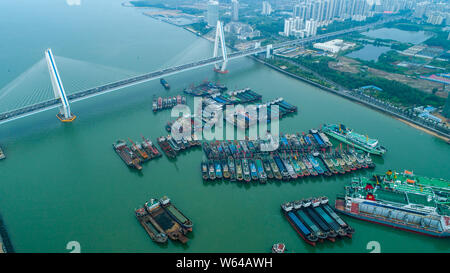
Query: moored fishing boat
{"points": [[218, 169], [204, 168], [239, 173], [211, 171], [268, 169], [253, 171], [260, 169], [298, 225], [274, 167], [246, 170], [226, 171], [232, 168]]}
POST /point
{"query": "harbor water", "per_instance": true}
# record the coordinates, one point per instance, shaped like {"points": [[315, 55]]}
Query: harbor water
{"points": [[63, 182]]}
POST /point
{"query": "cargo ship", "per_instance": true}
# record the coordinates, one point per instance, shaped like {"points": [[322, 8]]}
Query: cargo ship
{"points": [[164, 83], [130, 159], [170, 227], [314, 220], [150, 226], [175, 213], [2, 154], [346, 135], [393, 201]]}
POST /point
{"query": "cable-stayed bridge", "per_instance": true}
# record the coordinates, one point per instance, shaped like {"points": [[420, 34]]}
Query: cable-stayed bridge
{"points": [[63, 101]]}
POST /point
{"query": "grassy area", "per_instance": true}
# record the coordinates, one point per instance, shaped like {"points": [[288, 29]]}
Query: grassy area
{"points": [[393, 91], [298, 71]]}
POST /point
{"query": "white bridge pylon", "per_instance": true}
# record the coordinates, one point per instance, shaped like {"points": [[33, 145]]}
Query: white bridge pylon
{"points": [[64, 114], [220, 38]]}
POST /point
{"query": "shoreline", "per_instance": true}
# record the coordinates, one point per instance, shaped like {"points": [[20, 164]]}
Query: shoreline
{"points": [[396, 116], [380, 109]]}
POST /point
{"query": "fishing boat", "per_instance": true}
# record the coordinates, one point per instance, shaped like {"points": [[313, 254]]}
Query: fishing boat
{"points": [[290, 169], [232, 168], [310, 167], [315, 164], [211, 171], [246, 170], [226, 171], [274, 167], [282, 168], [346, 135], [218, 169], [204, 168], [253, 171], [297, 168], [260, 169], [175, 213], [303, 167], [268, 169], [239, 173], [164, 83]]}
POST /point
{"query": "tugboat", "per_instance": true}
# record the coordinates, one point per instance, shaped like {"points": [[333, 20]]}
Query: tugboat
{"points": [[164, 83], [278, 248]]}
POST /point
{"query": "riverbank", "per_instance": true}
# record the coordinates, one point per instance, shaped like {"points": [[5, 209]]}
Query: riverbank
{"points": [[344, 94]]}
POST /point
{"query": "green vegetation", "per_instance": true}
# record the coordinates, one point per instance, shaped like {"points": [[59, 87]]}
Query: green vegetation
{"points": [[298, 71], [394, 92], [164, 5], [201, 27], [267, 25]]}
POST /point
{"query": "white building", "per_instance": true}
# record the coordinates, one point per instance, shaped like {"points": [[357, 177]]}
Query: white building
{"points": [[212, 15], [234, 10], [266, 8], [334, 46], [311, 27]]}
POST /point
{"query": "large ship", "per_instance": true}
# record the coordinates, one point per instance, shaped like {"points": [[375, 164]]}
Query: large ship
{"points": [[346, 135], [392, 200], [175, 213]]}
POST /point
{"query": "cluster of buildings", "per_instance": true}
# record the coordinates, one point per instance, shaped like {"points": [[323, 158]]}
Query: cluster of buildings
{"points": [[266, 8], [308, 15], [433, 12]]}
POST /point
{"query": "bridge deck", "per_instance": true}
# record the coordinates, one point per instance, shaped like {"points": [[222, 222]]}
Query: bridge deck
{"points": [[43, 106]]}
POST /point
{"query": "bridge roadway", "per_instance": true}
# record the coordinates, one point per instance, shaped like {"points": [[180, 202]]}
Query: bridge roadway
{"points": [[100, 90]]}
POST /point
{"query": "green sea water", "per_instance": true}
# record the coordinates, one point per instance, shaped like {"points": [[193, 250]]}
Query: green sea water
{"points": [[63, 182]]}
